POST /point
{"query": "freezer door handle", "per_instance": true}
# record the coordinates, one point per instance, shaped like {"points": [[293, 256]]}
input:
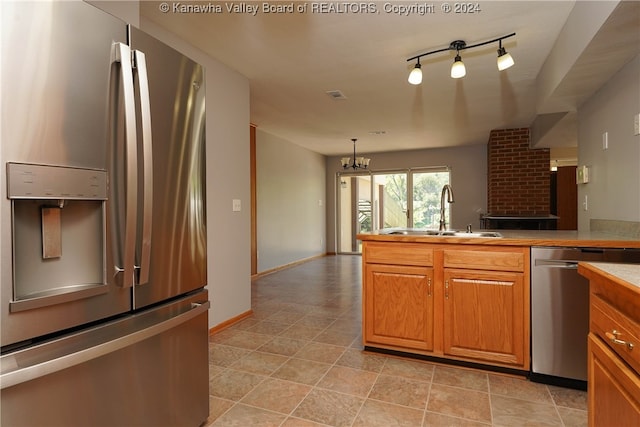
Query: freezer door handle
{"points": [[126, 265], [147, 167], [14, 372]]}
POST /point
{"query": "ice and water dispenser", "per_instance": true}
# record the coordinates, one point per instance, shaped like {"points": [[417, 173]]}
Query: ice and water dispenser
{"points": [[59, 233]]}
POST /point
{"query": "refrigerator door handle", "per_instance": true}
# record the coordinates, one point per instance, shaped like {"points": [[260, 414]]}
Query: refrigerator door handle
{"points": [[127, 263], [14, 372], [147, 166]]}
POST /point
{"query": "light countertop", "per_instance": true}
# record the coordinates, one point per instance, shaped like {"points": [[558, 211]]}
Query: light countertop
{"points": [[628, 274], [562, 238]]}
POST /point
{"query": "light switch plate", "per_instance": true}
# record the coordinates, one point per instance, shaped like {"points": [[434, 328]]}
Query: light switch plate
{"points": [[237, 205], [582, 174], [636, 124]]}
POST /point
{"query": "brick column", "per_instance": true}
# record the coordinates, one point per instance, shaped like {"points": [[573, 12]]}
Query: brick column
{"points": [[518, 177]]}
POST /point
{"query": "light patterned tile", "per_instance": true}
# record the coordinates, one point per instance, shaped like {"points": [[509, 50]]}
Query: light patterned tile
{"points": [[299, 422], [459, 402], [348, 380], [261, 363], [401, 390], [362, 360], [329, 407], [283, 346], [569, 398], [512, 412], [458, 377], [573, 417], [244, 416], [408, 368], [433, 419], [268, 328], [233, 385], [519, 388], [319, 352], [243, 339], [302, 371], [223, 355], [301, 332], [217, 407], [277, 395], [381, 414]]}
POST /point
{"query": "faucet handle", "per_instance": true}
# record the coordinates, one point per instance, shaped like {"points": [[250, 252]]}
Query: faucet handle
{"points": [[468, 228]]}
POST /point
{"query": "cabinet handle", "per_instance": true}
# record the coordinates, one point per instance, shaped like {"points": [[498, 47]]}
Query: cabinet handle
{"points": [[613, 337], [446, 289], [429, 286]]}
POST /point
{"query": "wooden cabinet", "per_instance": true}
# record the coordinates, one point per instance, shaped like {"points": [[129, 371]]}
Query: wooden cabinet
{"points": [[614, 344], [463, 302], [398, 295], [484, 315], [399, 305], [485, 305]]}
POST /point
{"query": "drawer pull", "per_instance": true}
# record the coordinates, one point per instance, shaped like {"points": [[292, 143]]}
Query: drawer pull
{"points": [[613, 337]]}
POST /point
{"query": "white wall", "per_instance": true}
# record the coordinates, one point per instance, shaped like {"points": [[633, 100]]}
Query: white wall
{"points": [[468, 179], [290, 193], [229, 233], [613, 191]]}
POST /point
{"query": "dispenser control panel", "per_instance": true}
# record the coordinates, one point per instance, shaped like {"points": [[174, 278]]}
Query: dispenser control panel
{"points": [[30, 181]]}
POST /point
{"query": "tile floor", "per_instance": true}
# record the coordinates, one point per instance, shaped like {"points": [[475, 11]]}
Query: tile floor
{"points": [[298, 362]]}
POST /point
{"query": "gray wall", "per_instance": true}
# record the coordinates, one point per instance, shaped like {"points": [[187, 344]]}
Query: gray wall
{"points": [[291, 202], [468, 178], [613, 190]]}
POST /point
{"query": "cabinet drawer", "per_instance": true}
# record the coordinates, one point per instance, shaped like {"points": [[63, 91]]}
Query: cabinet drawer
{"points": [[398, 253], [485, 259], [621, 333]]}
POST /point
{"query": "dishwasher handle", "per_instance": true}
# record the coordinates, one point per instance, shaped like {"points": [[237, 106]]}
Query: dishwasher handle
{"points": [[555, 263]]}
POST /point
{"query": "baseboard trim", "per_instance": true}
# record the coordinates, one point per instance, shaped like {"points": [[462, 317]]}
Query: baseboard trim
{"points": [[224, 325], [285, 266]]}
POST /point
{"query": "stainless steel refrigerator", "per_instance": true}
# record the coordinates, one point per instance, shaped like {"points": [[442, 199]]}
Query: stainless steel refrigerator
{"points": [[102, 216]]}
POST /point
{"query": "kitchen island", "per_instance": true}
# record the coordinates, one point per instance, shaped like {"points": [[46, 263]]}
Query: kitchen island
{"points": [[460, 299]]}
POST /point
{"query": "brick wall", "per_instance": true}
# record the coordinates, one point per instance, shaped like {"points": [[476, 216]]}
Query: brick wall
{"points": [[518, 177]]}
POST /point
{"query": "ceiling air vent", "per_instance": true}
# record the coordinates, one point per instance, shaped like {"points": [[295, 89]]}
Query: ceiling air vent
{"points": [[336, 95]]}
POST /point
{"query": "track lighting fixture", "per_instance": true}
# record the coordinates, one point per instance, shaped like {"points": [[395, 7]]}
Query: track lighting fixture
{"points": [[458, 69], [358, 162]]}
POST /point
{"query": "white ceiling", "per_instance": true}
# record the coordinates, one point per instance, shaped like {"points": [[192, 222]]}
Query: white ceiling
{"points": [[293, 59]]}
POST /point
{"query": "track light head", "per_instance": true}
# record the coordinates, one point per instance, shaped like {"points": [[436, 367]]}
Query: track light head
{"points": [[415, 77], [504, 59], [458, 69]]}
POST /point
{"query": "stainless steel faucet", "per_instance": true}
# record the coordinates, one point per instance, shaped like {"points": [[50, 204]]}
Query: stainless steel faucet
{"points": [[446, 189]]}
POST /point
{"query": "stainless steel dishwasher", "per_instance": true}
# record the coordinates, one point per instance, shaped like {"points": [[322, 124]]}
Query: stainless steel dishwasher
{"points": [[560, 311]]}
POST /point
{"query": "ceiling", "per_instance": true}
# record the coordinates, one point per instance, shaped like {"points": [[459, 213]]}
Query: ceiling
{"points": [[293, 59]]}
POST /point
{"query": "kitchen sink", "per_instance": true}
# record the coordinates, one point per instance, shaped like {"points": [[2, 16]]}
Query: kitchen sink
{"points": [[438, 233]]}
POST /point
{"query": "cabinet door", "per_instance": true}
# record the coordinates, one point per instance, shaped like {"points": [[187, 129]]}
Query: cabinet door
{"points": [[614, 389], [484, 316], [398, 306]]}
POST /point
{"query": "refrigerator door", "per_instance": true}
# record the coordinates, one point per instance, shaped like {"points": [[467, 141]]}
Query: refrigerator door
{"points": [[60, 80], [147, 369], [177, 239]]}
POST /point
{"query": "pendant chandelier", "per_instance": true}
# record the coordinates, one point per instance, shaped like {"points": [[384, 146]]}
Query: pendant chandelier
{"points": [[358, 162], [458, 69]]}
